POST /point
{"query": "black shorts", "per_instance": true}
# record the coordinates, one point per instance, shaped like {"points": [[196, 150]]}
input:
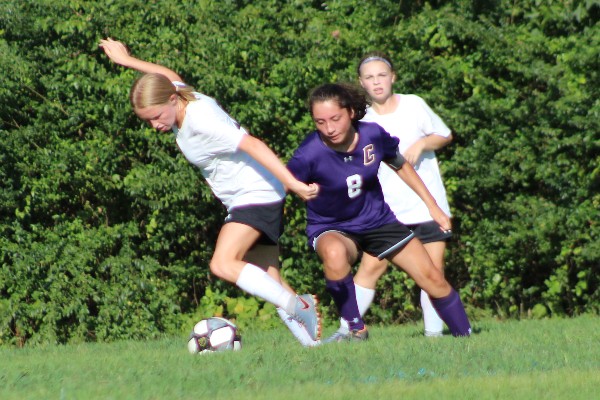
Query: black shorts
{"points": [[429, 232], [266, 218], [382, 242]]}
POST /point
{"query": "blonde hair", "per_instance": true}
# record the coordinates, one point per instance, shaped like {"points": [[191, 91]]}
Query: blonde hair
{"points": [[157, 89]]}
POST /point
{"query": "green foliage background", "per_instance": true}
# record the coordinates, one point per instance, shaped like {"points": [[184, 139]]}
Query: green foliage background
{"points": [[106, 231]]}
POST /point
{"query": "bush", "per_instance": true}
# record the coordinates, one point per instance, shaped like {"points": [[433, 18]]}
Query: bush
{"points": [[107, 231]]}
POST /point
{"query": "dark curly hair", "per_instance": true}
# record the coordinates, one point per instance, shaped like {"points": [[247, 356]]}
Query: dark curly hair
{"points": [[348, 96]]}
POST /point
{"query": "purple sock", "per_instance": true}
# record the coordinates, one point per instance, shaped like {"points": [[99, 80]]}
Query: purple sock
{"points": [[344, 296], [452, 311]]}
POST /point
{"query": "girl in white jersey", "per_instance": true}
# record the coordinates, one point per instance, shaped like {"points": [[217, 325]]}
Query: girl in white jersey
{"points": [[421, 132], [242, 172]]}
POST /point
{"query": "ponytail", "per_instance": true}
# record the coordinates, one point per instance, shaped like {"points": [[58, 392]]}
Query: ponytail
{"points": [[157, 89]]}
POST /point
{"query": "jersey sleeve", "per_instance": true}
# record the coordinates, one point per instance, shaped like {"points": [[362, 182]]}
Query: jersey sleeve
{"points": [[431, 123], [221, 132], [389, 144], [226, 137]]}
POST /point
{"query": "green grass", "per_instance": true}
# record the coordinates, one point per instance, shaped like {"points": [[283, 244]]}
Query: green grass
{"points": [[531, 359]]}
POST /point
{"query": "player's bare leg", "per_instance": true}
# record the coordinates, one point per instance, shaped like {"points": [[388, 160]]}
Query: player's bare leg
{"points": [[369, 271], [233, 243], [415, 261], [338, 253], [268, 256]]}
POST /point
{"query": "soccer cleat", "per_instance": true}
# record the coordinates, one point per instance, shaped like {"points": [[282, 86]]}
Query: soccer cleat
{"points": [[297, 329], [348, 336], [338, 336], [306, 313], [433, 334]]}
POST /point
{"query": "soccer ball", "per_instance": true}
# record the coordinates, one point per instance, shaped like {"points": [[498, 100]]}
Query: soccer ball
{"points": [[214, 334]]}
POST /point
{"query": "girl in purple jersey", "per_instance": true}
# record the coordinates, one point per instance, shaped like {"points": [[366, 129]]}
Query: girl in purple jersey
{"points": [[350, 214], [421, 132]]}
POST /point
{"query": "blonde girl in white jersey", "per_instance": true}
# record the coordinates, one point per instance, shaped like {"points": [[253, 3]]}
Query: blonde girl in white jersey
{"points": [[242, 172], [421, 132]]}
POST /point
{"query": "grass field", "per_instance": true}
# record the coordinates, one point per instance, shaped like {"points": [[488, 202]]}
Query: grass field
{"points": [[530, 359]]}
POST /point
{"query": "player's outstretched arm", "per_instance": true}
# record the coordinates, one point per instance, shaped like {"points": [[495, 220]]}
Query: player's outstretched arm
{"points": [[118, 53], [258, 150]]}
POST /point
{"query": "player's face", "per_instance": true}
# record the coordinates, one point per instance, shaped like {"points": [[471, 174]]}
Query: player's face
{"points": [[376, 77], [334, 123], [161, 117]]}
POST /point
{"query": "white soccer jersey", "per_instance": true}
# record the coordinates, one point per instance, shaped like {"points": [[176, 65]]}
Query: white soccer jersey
{"points": [[412, 120], [209, 139]]}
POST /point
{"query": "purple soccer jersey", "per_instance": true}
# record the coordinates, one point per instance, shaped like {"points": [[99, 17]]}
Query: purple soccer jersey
{"points": [[350, 197]]}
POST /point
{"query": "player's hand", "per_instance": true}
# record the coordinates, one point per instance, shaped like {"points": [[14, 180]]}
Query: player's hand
{"points": [[306, 192], [442, 219], [413, 153], [115, 50]]}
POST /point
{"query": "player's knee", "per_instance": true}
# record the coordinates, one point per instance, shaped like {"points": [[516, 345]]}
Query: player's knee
{"points": [[437, 281], [336, 270], [218, 268], [334, 255]]}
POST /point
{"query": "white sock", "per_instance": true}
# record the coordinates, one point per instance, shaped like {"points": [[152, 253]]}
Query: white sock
{"points": [[433, 323], [297, 329], [257, 282], [364, 298]]}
